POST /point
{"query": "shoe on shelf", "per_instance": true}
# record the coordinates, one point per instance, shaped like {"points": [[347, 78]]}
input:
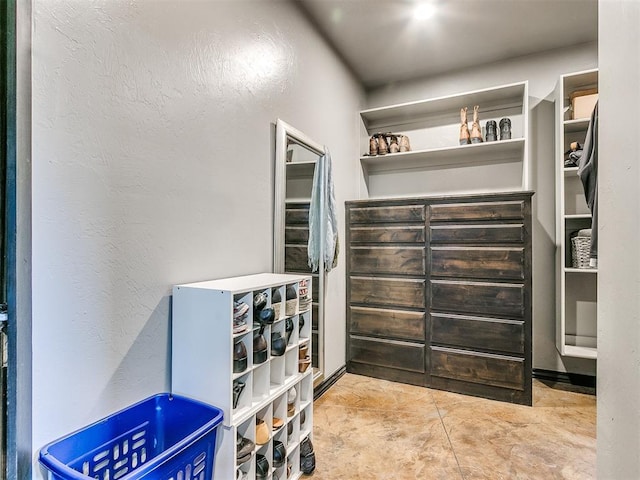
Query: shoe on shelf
{"points": [[240, 309], [262, 467], [277, 424], [238, 387], [244, 448], [307, 457], [279, 454], [239, 357], [240, 325], [262, 432]]}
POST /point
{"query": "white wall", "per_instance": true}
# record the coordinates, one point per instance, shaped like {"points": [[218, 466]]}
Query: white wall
{"points": [[152, 165], [619, 229], [542, 71]]}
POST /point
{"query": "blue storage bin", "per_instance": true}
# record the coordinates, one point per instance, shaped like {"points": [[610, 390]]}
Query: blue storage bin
{"points": [[163, 437]]}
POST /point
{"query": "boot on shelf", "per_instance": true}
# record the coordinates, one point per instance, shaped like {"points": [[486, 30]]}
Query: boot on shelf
{"points": [[476, 131], [465, 138]]}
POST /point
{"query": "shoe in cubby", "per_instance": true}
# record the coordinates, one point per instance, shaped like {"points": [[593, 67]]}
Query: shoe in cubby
{"points": [[291, 300], [241, 392], [304, 326], [304, 295], [277, 294], [307, 456]]}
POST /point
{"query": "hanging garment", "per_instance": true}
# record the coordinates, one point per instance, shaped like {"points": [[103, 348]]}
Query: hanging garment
{"points": [[588, 173], [323, 222]]}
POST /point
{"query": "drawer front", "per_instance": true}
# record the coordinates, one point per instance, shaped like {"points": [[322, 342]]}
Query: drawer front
{"points": [[504, 233], [387, 291], [296, 216], [486, 369], [388, 234], [401, 324], [478, 333], [387, 353], [480, 298], [389, 214], [296, 234], [478, 262], [514, 210], [295, 259], [387, 260]]}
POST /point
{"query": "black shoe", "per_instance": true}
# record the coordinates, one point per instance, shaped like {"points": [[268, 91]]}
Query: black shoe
{"points": [[245, 449], [279, 454], [259, 302], [239, 357], [262, 467], [505, 129], [259, 348], [288, 328], [278, 344], [307, 457], [238, 387], [492, 134]]}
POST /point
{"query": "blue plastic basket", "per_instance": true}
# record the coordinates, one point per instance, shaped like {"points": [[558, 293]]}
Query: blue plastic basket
{"points": [[163, 437]]}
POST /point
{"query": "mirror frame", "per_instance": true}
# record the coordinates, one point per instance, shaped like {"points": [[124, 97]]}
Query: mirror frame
{"points": [[285, 133]]}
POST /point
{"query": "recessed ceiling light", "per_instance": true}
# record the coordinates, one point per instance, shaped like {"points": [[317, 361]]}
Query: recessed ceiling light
{"points": [[424, 11]]}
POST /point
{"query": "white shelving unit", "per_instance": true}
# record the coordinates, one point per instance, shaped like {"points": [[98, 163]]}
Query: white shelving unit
{"points": [[202, 367], [433, 166], [576, 331]]}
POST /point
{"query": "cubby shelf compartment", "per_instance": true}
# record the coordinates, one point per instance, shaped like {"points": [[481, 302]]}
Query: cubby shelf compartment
{"points": [[202, 363], [576, 312], [437, 164]]}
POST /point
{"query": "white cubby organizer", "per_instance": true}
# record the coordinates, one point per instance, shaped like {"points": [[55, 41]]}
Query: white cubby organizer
{"points": [[202, 367], [577, 288]]}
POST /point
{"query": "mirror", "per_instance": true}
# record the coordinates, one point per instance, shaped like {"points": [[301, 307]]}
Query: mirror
{"points": [[297, 160]]}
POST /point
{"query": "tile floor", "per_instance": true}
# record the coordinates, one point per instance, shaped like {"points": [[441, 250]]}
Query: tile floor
{"points": [[366, 428]]}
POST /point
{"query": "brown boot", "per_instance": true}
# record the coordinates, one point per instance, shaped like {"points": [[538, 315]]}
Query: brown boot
{"points": [[476, 131], [465, 138]]}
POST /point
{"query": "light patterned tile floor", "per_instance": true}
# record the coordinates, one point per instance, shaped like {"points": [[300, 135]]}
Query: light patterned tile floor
{"points": [[366, 428]]}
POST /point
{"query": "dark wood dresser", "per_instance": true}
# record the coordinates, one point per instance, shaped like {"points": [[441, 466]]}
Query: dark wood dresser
{"points": [[439, 292]]}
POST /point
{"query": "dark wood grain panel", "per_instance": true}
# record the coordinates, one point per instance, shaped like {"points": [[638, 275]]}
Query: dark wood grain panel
{"points": [[388, 353], [296, 216], [501, 233], [446, 212], [391, 374], [478, 332], [501, 263], [315, 287], [296, 234], [387, 291], [482, 298], [314, 316], [388, 234], [401, 324], [387, 214], [295, 259], [387, 260], [483, 390], [495, 370]]}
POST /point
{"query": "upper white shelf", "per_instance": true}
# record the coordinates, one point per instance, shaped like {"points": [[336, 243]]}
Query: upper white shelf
{"points": [[577, 125], [259, 281], [478, 153], [491, 99]]}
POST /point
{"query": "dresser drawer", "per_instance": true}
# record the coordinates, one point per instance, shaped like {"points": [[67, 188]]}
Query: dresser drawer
{"points": [[297, 234], [514, 210], [387, 291], [482, 368], [387, 353], [500, 233], [388, 234], [478, 333], [480, 298], [400, 324], [387, 260], [478, 262], [387, 214]]}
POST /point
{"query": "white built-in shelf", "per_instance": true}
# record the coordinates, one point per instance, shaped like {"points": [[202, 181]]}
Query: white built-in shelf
{"points": [[580, 352], [491, 99], [577, 288], [577, 125], [477, 154], [580, 270]]}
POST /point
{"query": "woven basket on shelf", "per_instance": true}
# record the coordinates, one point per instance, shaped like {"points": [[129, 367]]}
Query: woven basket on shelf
{"points": [[580, 252]]}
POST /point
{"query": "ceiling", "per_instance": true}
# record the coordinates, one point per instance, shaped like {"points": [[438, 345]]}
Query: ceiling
{"points": [[382, 43]]}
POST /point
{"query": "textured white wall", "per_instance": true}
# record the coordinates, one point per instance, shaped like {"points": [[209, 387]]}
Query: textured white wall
{"points": [[618, 254], [542, 71], [152, 165]]}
